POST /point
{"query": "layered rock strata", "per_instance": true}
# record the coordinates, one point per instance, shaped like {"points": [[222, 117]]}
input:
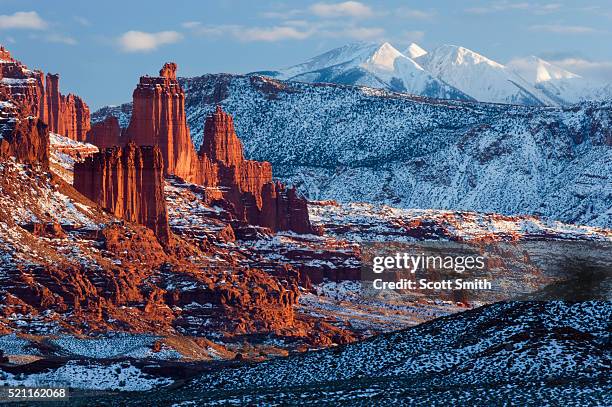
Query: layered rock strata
{"points": [[67, 115], [247, 185], [127, 182]]}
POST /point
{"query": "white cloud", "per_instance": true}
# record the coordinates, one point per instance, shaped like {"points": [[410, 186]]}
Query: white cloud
{"points": [[82, 21], [59, 38], [504, 6], [562, 28], [345, 9], [361, 33], [404, 12], [139, 41], [412, 36], [22, 20], [250, 34], [598, 70], [271, 34], [290, 30], [191, 24]]}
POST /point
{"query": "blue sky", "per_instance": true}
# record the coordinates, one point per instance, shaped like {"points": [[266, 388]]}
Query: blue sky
{"points": [[101, 48]]}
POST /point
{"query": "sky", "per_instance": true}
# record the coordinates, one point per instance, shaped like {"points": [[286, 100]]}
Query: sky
{"points": [[101, 48]]}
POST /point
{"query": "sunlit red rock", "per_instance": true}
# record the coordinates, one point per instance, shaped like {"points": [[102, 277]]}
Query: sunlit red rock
{"points": [[247, 184], [67, 115], [158, 118], [106, 133], [128, 182]]}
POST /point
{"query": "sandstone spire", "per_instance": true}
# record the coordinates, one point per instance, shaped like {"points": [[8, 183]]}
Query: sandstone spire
{"points": [[158, 118]]}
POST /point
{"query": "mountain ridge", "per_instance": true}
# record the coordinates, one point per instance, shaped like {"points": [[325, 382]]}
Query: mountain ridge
{"points": [[408, 151], [447, 72]]}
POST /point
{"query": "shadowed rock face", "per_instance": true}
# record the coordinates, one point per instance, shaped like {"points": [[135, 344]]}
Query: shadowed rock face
{"points": [[40, 97], [128, 182], [25, 139], [159, 119], [106, 133]]}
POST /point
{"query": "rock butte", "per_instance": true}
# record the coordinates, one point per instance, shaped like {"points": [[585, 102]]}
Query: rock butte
{"points": [[159, 119]]}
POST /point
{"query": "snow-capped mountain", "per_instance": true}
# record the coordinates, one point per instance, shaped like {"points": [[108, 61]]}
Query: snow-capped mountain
{"points": [[414, 51], [360, 144], [447, 72], [480, 77], [373, 65], [556, 83]]}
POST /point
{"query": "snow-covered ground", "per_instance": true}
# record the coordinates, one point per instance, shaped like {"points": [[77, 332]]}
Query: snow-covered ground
{"points": [[88, 375]]}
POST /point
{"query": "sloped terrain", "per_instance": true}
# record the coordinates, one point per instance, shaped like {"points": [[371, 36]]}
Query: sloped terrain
{"points": [[375, 65], [359, 144], [530, 353]]}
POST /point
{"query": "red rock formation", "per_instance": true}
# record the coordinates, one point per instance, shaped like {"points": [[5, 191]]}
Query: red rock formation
{"points": [[21, 136], [22, 85], [40, 97], [127, 182], [158, 118], [105, 134], [247, 184], [66, 115], [220, 142]]}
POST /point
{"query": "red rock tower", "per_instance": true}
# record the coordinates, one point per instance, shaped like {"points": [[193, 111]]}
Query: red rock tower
{"points": [[128, 182], [246, 184], [158, 118], [66, 115]]}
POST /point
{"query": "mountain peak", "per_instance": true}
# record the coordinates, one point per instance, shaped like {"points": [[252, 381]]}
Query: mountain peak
{"points": [[536, 70], [459, 55], [384, 57], [414, 51]]}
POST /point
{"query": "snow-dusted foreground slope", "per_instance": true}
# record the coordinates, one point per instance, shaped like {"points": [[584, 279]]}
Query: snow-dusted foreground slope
{"points": [[360, 144], [530, 353]]}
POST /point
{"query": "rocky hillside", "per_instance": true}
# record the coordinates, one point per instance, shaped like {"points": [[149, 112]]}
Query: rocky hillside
{"points": [[528, 352], [360, 144]]}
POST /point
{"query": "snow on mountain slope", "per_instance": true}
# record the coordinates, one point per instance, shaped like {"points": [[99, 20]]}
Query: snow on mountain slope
{"points": [[447, 72], [373, 65], [527, 352], [414, 51], [480, 77], [357, 144], [558, 84]]}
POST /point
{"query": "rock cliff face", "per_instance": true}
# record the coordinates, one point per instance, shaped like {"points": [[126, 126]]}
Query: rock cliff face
{"points": [[22, 85], [66, 115], [40, 97], [105, 134], [159, 119], [128, 182], [21, 136], [247, 185]]}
